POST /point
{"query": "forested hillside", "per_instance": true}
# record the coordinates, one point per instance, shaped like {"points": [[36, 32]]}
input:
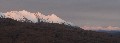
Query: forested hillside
{"points": [[12, 31]]}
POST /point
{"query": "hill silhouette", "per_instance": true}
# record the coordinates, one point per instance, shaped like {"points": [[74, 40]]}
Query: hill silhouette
{"points": [[12, 31]]}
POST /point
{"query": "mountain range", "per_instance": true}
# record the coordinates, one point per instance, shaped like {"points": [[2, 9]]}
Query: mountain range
{"points": [[26, 27], [106, 28], [26, 16]]}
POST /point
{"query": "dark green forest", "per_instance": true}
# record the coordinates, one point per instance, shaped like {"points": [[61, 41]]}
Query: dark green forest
{"points": [[12, 31]]}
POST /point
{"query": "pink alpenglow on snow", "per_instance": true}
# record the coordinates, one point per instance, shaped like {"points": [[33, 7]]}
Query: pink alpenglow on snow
{"points": [[33, 17]]}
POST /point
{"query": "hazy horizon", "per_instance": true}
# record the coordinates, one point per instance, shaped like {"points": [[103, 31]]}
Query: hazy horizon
{"points": [[79, 12]]}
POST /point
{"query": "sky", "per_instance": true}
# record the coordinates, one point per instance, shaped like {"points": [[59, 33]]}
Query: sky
{"points": [[79, 12]]}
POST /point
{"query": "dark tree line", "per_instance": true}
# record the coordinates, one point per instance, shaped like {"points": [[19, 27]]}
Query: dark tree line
{"points": [[12, 31]]}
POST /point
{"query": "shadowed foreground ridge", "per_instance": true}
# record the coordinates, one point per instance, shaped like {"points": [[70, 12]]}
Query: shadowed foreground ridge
{"points": [[12, 31]]}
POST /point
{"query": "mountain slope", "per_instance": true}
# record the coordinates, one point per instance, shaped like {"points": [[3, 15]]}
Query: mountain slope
{"points": [[12, 31]]}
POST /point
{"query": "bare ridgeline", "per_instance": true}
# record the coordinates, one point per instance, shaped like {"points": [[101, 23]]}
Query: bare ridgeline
{"points": [[15, 31]]}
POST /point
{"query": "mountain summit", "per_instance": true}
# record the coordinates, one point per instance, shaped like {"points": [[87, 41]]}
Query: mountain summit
{"points": [[33, 17]]}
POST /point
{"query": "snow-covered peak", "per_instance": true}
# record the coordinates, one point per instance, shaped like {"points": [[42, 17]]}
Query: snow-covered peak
{"points": [[21, 15], [55, 18], [53, 15], [33, 17]]}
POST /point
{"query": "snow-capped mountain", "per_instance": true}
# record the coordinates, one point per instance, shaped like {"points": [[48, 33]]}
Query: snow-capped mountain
{"points": [[96, 28], [33, 17]]}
